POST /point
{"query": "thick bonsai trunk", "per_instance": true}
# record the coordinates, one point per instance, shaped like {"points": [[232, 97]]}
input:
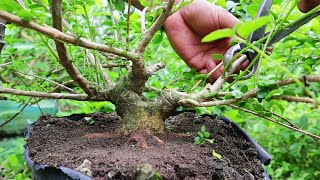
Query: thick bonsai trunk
{"points": [[139, 114]]}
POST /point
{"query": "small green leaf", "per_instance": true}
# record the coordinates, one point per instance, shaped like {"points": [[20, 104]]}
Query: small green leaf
{"points": [[250, 26], [303, 122], [244, 89], [206, 134], [157, 38], [217, 56], [253, 9], [203, 129], [218, 34], [201, 136], [221, 3], [119, 5], [215, 154]]}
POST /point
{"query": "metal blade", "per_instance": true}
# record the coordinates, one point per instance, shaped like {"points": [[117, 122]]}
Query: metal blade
{"points": [[263, 11], [282, 34]]}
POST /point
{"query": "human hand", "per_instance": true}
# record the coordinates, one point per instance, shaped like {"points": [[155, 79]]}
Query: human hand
{"points": [[307, 5], [189, 25]]}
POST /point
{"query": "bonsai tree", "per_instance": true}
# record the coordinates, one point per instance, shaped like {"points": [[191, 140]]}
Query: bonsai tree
{"points": [[89, 51]]}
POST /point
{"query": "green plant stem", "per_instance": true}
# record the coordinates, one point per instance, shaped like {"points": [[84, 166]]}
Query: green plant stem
{"points": [[52, 51], [256, 49], [270, 37], [113, 20]]}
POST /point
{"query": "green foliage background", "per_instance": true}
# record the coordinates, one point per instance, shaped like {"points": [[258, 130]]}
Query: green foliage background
{"points": [[295, 156]]}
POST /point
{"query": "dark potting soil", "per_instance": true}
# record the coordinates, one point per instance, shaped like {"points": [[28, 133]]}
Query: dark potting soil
{"points": [[75, 144]]}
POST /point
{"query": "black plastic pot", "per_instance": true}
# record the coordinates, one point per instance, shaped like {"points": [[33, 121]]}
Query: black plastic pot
{"points": [[45, 172]]}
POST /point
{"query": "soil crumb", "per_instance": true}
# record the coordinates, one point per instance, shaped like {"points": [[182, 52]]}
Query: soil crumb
{"points": [[78, 145]]}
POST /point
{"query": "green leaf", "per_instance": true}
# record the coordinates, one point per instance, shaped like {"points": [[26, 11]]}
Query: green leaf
{"points": [[244, 89], [221, 3], [253, 9], [218, 34], [217, 56], [215, 154], [206, 134], [303, 122], [157, 38], [119, 5], [203, 129], [9, 6], [250, 26]]}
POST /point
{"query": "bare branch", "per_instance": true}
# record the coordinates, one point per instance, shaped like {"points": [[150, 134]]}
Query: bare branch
{"points": [[156, 67], [306, 79], [112, 65], [148, 35], [143, 20], [192, 103], [250, 94], [104, 74], [208, 75], [214, 88], [128, 24], [5, 64], [64, 60], [298, 99], [61, 85], [79, 97], [283, 118], [58, 35], [277, 122], [15, 115]]}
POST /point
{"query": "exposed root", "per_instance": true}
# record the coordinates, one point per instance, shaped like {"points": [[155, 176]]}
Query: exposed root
{"points": [[141, 137]]}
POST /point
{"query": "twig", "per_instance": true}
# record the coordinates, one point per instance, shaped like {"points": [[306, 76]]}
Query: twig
{"points": [[298, 99], [9, 120], [64, 22], [29, 90], [115, 32], [128, 24], [112, 65], [148, 35], [214, 88], [143, 19], [283, 118], [79, 97], [208, 75], [5, 64], [192, 103], [156, 67], [64, 60], [310, 78], [56, 89], [61, 85], [277, 122], [58, 35], [105, 75]]}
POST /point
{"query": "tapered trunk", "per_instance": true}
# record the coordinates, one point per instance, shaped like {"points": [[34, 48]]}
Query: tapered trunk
{"points": [[139, 114]]}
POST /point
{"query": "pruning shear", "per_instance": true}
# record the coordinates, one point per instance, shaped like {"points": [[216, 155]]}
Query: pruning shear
{"points": [[261, 33]]}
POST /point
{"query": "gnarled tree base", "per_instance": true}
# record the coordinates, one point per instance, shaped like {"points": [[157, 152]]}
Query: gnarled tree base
{"points": [[67, 143]]}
